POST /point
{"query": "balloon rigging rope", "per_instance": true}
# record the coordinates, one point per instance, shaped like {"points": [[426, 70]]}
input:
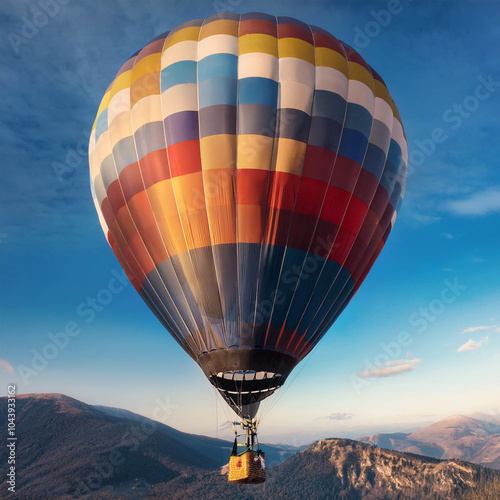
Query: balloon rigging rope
{"points": [[217, 426], [273, 403], [217, 401]]}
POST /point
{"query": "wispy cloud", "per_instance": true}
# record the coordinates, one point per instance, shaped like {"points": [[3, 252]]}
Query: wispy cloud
{"points": [[394, 367], [339, 416], [482, 202], [471, 345], [437, 181], [473, 329], [448, 236], [422, 219], [478, 260], [5, 366], [36, 132]]}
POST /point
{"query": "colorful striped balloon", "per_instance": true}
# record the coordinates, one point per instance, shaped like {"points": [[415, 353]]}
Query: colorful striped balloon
{"points": [[247, 171]]}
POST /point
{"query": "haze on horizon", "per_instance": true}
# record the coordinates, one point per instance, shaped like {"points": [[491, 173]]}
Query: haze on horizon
{"points": [[419, 341]]}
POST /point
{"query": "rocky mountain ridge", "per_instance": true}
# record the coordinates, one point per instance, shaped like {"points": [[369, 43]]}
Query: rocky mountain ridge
{"points": [[73, 450], [455, 437]]}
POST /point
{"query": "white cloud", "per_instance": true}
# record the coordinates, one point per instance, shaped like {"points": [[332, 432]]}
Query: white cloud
{"points": [[448, 236], [5, 366], [471, 345], [497, 330], [339, 416], [420, 218], [473, 329], [391, 368], [478, 260], [480, 203]]}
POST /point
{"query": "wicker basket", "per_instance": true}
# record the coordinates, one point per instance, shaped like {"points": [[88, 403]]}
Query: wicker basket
{"points": [[247, 468]]}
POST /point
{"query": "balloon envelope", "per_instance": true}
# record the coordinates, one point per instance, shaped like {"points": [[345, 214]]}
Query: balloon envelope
{"points": [[247, 171]]}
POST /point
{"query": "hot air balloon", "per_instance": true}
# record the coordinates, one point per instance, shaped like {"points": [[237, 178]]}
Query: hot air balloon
{"points": [[247, 171]]}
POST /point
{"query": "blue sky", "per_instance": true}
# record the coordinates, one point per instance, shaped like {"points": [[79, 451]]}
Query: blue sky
{"points": [[420, 340]]}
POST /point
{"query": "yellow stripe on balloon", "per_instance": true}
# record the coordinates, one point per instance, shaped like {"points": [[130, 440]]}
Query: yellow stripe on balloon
{"points": [[104, 105], [299, 49], [218, 151], [332, 59], [258, 42], [190, 33], [361, 74]]}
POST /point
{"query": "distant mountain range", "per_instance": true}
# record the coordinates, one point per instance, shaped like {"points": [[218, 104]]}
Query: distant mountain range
{"points": [[66, 446], [463, 438], [68, 449]]}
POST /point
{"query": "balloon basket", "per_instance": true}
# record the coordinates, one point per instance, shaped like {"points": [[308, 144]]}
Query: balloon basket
{"points": [[247, 468]]}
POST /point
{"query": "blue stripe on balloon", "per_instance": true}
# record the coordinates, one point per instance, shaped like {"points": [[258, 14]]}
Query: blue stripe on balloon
{"points": [[219, 119], [218, 65], [255, 90], [330, 312], [174, 279], [150, 137], [392, 166], [353, 145], [220, 90], [318, 314], [124, 153], [177, 73], [256, 119], [108, 171], [315, 300], [314, 288], [300, 274], [101, 124], [329, 105], [374, 160], [324, 133], [358, 118], [294, 124]]}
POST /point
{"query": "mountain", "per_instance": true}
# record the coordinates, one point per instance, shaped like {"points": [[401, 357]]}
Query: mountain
{"points": [[343, 469], [493, 418], [218, 448], [354, 470], [66, 446], [68, 449], [460, 437]]}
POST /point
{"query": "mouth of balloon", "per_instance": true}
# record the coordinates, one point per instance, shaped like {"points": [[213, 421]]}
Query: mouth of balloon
{"points": [[242, 376], [244, 390]]}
